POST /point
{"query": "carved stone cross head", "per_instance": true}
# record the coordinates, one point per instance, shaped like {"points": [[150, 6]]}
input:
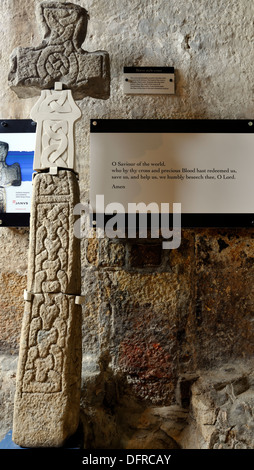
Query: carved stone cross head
{"points": [[60, 58]]}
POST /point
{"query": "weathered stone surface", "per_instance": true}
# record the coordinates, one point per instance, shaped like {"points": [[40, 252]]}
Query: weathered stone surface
{"points": [[219, 415], [11, 312], [221, 408], [156, 321], [12, 279], [104, 253], [140, 313], [54, 254], [59, 58], [48, 379], [156, 439], [145, 255], [47, 399], [153, 427], [8, 367], [224, 296]]}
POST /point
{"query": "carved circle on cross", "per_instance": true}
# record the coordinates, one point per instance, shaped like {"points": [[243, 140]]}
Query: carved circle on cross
{"points": [[57, 64]]}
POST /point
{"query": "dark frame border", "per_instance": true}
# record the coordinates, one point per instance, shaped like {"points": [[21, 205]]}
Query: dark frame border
{"points": [[241, 126], [231, 126]]}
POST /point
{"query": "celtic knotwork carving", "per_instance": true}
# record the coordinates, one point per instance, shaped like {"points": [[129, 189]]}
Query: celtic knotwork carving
{"points": [[54, 268], [56, 102], [50, 352], [46, 186], [55, 113], [46, 343], [48, 263], [56, 62], [52, 279], [64, 22], [54, 144], [60, 56], [51, 257]]}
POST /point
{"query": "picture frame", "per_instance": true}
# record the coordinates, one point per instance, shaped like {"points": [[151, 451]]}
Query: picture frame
{"points": [[17, 143], [213, 160]]}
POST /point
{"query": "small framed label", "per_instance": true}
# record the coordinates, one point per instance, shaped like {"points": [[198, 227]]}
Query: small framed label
{"points": [[149, 80]]}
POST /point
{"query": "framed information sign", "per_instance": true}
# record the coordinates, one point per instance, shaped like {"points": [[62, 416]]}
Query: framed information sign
{"points": [[17, 143], [149, 80], [207, 166]]}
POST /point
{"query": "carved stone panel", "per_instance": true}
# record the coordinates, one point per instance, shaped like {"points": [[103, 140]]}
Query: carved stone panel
{"points": [[55, 113], [60, 58], [54, 252], [49, 371], [47, 399]]}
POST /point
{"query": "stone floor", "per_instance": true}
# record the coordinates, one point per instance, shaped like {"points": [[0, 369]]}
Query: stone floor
{"points": [[219, 413]]}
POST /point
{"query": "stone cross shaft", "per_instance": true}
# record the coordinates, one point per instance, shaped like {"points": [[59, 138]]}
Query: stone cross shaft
{"points": [[47, 399], [46, 408]]}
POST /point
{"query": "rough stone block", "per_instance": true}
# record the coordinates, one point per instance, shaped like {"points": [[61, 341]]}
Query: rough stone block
{"points": [[54, 251], [47, 396], [8, 367], [59, 58], [111, 253], [11, 315]]}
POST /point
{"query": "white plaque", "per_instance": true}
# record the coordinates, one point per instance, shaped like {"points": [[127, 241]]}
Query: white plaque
{"points": [[149, 80], [207, 167]]}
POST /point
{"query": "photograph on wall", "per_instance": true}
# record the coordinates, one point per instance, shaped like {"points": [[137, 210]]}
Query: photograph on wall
{"points": [[16, 170]]}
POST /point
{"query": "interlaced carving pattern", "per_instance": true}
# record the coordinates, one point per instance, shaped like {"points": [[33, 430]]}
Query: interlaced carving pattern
{"points": [[50, 313]]}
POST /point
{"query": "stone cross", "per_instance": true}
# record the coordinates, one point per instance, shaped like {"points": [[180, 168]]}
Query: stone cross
{"points": [[60, 58], [47, 399]]}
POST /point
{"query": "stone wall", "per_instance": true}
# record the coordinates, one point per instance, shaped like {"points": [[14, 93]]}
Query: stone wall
{"points": [[156, 323]]}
